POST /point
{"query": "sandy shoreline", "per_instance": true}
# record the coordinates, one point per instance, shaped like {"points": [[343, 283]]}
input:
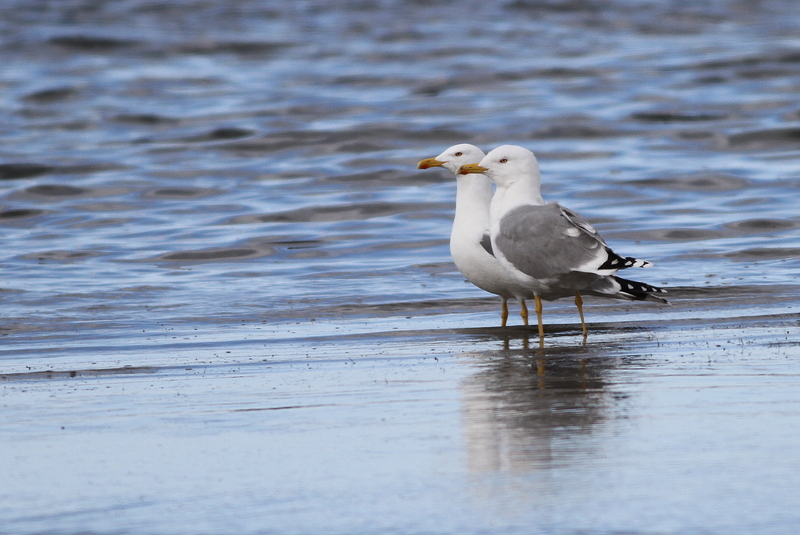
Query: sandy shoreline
{"points": [[438, 429]]}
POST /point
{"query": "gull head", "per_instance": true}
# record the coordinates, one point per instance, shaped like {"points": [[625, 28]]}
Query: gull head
{"points": [[453, 158], [506, 165]]}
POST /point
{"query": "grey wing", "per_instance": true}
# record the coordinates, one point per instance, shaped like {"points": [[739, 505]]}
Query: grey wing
{"points": [[544, 242], [486, 243], [580, 223], [612, 261]]}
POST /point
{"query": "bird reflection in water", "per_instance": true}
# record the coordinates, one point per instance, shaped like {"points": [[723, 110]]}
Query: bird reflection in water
{"points": [[527, 409]]}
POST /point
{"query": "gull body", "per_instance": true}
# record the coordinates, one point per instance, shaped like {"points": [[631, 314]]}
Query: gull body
{"points": [[470, 241], [550, 250]]}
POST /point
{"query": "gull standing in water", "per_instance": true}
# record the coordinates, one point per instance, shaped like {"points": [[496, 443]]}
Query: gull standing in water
{"points": [[470, 244], [546, 248]]}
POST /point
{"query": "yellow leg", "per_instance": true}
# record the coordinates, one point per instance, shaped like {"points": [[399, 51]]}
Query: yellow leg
{"points": [[579, 304], [523, 311], [504, 313], [539, 317]]}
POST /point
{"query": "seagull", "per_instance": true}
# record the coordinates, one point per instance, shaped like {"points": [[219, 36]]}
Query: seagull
{"points": [[547, 248], [470, 243]]}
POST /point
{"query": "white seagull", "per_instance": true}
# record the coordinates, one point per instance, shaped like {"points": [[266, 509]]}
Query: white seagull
{"points": [[470, 243], [548, 249]]}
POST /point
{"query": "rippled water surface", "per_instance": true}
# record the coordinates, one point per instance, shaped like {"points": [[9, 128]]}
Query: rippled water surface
{"points": [[229, 306]]}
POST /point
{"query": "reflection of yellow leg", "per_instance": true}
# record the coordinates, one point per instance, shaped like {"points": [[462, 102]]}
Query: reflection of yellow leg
{"points": [[504, 313], [540, 382], [539, 317], [523, 311], [579, 304]]}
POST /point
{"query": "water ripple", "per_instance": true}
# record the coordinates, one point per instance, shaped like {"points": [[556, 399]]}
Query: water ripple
{"points": [[207, 148]]}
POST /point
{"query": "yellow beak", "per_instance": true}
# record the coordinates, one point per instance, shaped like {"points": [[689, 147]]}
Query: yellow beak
{"points": [[471, 168], [429, 162]]}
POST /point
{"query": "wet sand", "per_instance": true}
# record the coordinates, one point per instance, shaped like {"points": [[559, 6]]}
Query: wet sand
{"points": [[679, 419]]}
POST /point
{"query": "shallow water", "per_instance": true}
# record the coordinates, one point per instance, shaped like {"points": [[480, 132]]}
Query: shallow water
{"points": [[210, 211]]}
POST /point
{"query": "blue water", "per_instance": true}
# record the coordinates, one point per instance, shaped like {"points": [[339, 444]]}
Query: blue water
{"points": [[228, 183]]}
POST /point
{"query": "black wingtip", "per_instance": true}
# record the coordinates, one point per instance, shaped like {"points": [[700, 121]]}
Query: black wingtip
{"points": [[615, 261], [640, 291]]}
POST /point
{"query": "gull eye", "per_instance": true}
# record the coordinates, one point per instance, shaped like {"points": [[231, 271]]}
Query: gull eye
{"points": [[459, 154], [504, 160]]}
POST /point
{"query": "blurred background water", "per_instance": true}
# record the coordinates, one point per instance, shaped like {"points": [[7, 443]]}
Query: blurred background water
{"points": [[184, 177], [182, 159]]}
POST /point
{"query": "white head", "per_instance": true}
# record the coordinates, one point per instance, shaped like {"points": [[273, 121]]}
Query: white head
{"points": [[507, 165], [454, 157]]}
